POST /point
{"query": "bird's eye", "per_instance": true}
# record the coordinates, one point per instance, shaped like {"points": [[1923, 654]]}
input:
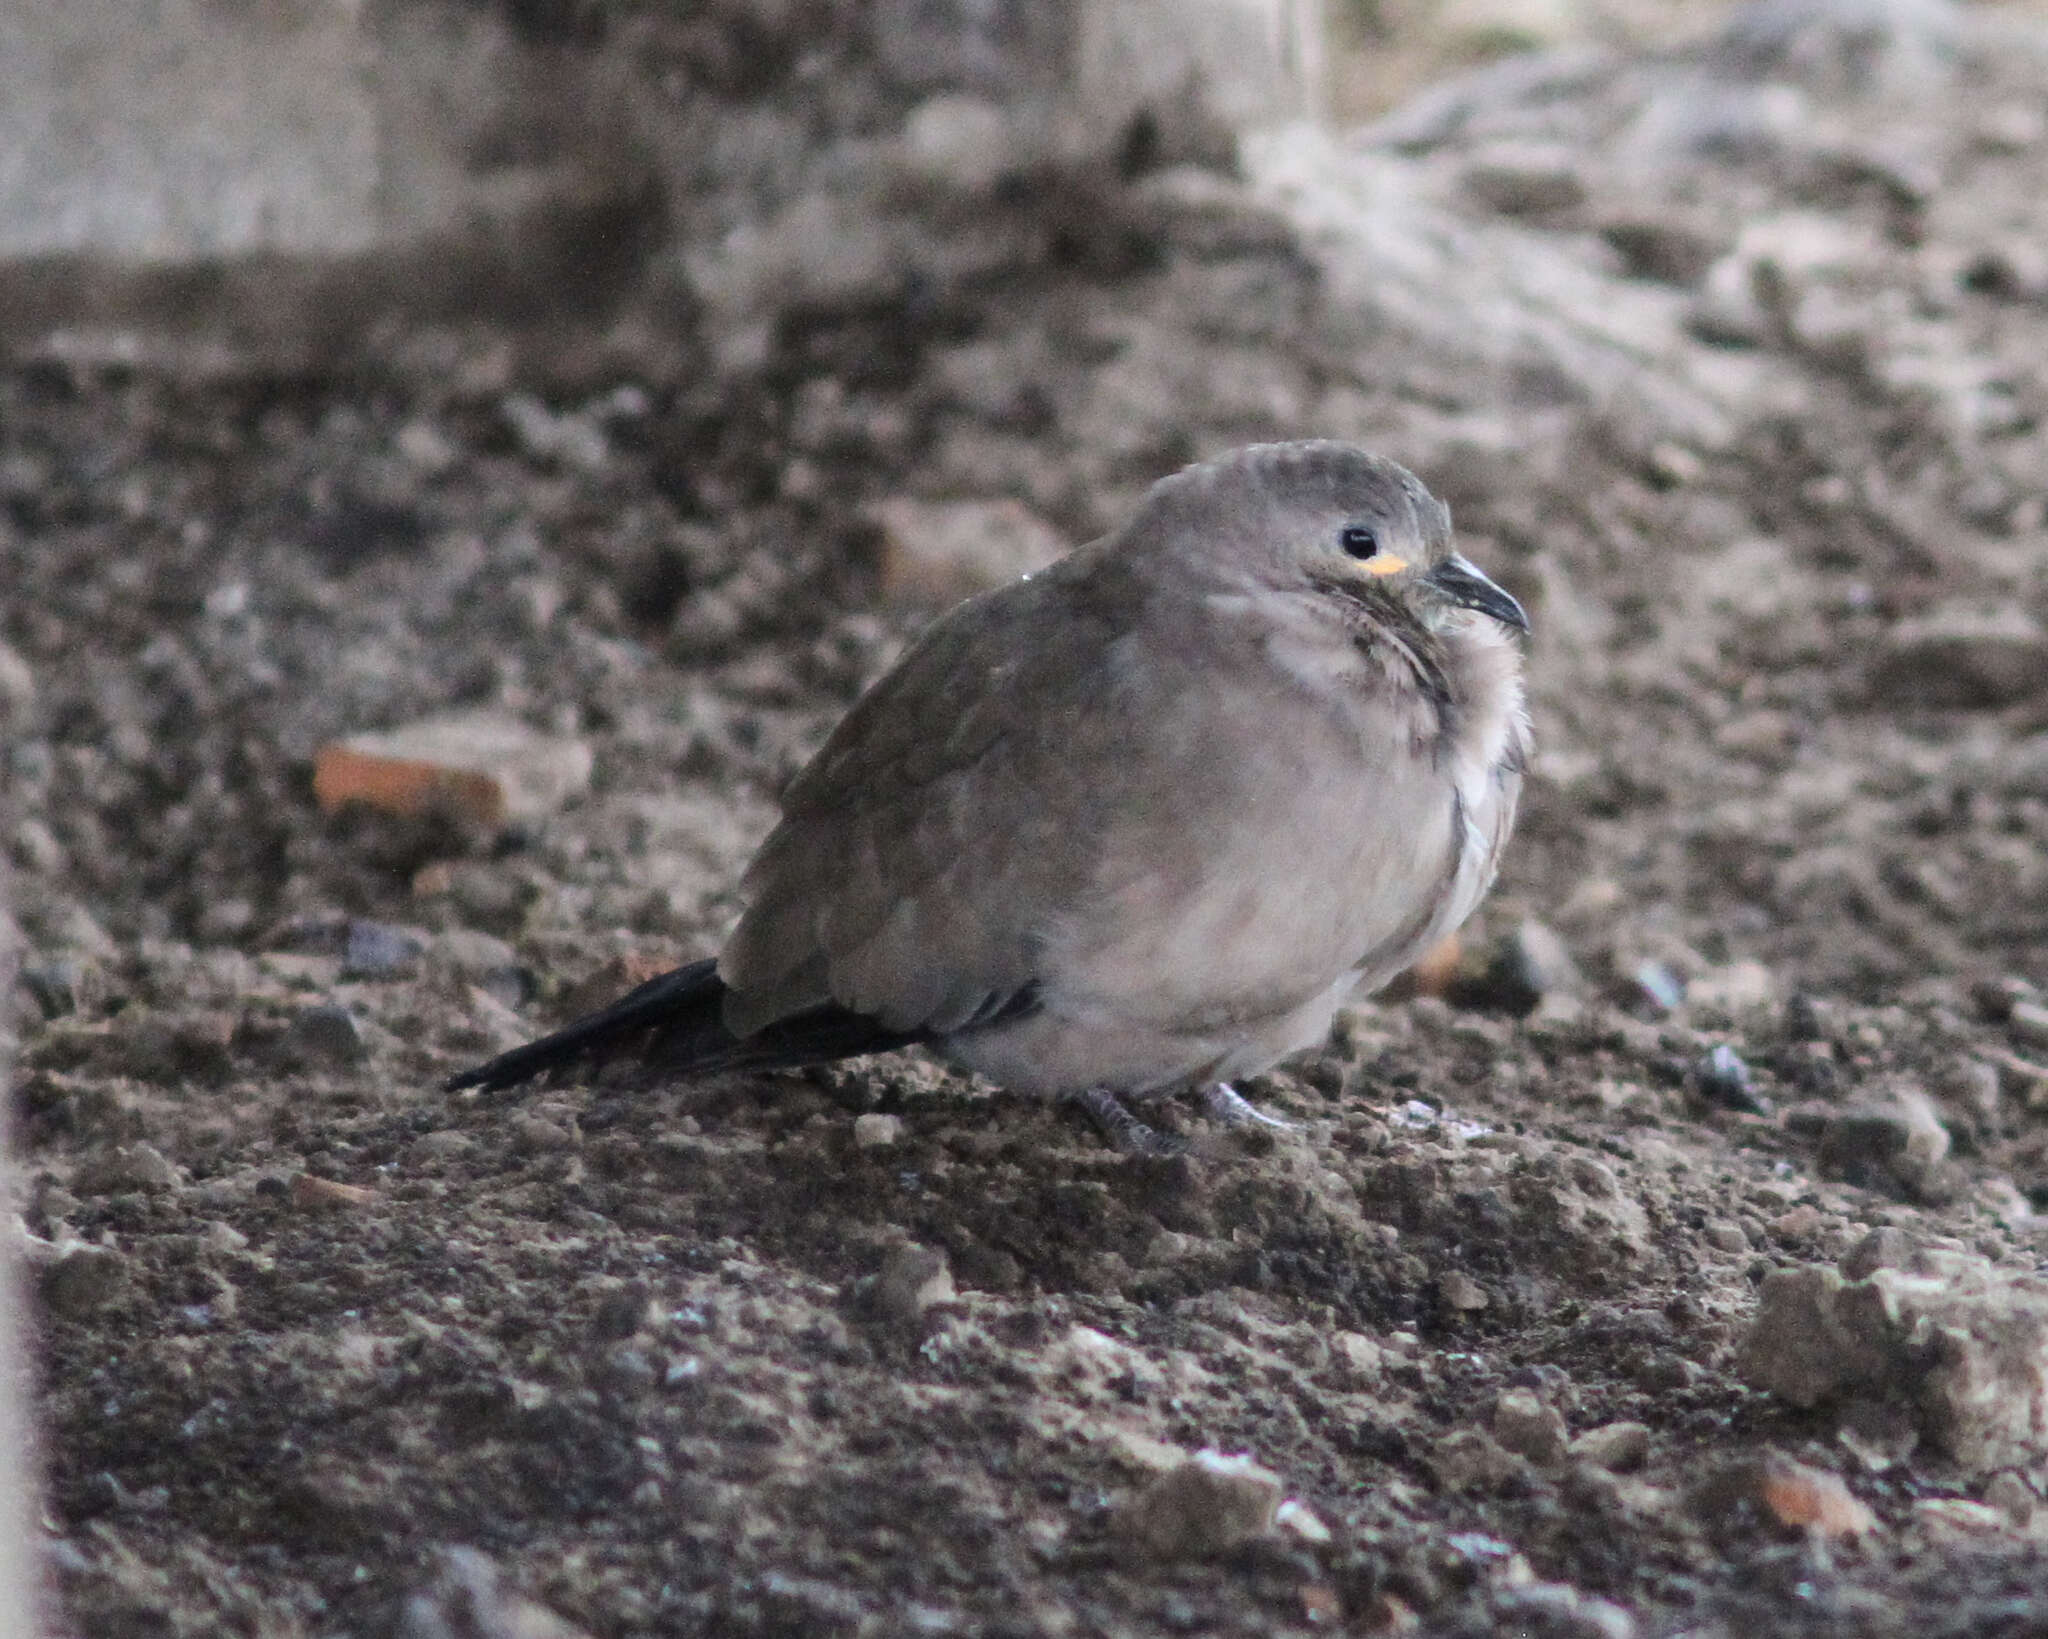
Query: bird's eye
{"points": [[1358, 541]]}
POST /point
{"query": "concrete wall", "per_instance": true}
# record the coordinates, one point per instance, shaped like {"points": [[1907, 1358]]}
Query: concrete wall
{"points": [[276, 177]]}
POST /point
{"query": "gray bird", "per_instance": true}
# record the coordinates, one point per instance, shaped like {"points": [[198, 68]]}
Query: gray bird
{"points": [[1138, 823]]}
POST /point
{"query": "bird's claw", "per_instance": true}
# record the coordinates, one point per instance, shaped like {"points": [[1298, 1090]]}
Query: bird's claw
{"points": [[1125, 1132], [1226, 1104]]}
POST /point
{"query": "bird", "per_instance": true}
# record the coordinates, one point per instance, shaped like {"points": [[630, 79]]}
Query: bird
{"points": [[1137, 824]]}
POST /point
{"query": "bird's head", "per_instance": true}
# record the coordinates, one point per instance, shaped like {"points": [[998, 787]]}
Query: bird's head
{"points": [[1330, 518]]}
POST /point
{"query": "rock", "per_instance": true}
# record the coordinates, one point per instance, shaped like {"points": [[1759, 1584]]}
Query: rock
{"points": [[570, 439], [36, 848], [1843, 48], [1620, 1447], [1726, 1235], [17, 685], [477, 768], [2013, 1498], [445, 1145], [127, 1167], [1297, 1519], [1654, 247], [1959, 1517], [1810, 1499], [2028, 1022], [961, 142], [1360, 1361], [1470, 1459], [1557, 1608], [84, 1279], [377, 950], [1962, 656], [1722, 1077], [1654, 988], [1525, 1425], [64, 986], [1734, 988], [1519, 180], [490, 963], [2013, 268], [912, 1280], [1206, 1506], [326, 1194], [1492, 26], [1461, 1292], [874, 1131], [1997, 995], [1960, 1343], [477, 955], [167, 1047], [536, 1135], [1970, 1089], [468, 1599], [938, 552], [1522, 971], [1893, 1142], [324, 1035]]}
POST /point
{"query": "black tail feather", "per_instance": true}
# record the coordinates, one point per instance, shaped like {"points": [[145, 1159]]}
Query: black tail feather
{"points": [[674, 1023]]}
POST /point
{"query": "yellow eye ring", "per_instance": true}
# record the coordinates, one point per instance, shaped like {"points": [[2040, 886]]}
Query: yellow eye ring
{"points": [[1383, 563]]}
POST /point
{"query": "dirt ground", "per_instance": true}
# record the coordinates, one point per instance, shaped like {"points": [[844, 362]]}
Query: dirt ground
{"points": [[1766, 960]]}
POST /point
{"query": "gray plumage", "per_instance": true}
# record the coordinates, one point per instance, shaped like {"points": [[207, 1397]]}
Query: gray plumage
{"points": [[1144, 820]]}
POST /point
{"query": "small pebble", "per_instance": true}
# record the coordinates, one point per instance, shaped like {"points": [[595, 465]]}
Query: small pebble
{"points": [[912, 1280], [1525, 1425], [1206, 1506], [325, 1034], [322, 1194], [2013, 1498], [85, 1279], [17, 684], [1619, 1447], [127, 1167], [1462, 1292], [376, 950], [1958, 1516], [875, 1131], [1299, 1520], [536, 1135], [2028, 1022], [1725, 1235], [1895, 1143], [479, 768], [1723, 1078], [1523, 970], [1657, 987], [1996, 997], [58, 987], [443, 1145]]}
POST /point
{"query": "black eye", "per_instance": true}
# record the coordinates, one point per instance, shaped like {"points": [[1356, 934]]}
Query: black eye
{"points": [[1359, 541]]}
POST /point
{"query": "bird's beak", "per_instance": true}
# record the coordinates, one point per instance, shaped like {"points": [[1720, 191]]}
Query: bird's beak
{"points": [[1462, 583]]}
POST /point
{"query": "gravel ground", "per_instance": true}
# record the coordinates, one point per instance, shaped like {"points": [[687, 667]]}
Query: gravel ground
{"points": [[1669, 1266]]}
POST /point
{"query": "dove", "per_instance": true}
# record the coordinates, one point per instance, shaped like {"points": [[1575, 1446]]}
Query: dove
{"points": [[1137, 824]]}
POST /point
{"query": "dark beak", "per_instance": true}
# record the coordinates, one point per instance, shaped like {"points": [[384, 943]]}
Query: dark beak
{"points": [[1466, 587]]}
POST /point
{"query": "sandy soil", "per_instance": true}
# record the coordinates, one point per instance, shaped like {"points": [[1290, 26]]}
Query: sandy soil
{"points": [[741, 1358]]}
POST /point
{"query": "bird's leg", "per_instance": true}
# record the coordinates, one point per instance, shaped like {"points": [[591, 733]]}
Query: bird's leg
{"points": [[1124, 1131], [1227, 1105]]}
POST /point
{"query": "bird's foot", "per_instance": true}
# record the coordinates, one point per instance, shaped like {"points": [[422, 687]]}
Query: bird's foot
{"points": [[1226, 1104], [1125, 1132]]}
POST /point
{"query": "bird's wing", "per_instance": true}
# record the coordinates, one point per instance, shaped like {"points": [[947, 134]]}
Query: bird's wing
{"points": [[910, 847], [1059, 788]]}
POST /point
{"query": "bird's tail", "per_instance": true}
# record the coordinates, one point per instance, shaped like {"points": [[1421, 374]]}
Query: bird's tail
{"points": [[675, 1025]]}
